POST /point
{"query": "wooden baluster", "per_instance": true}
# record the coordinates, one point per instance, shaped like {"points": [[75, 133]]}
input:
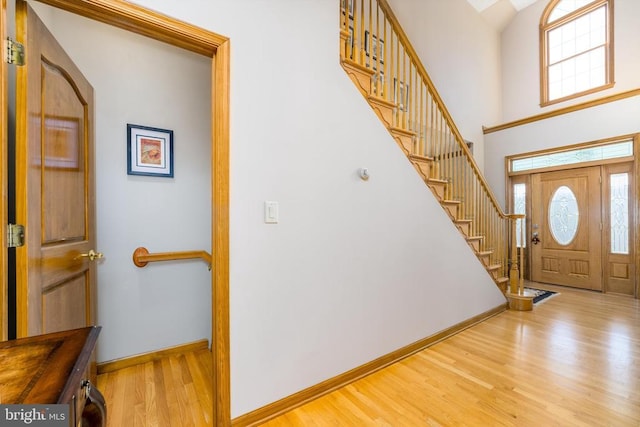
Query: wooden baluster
{"points": [[385, 66], [421, 121], [513, 273], [378, 52], [405, 92], [361, 33], [521, 269], [370, 36], [396, 95]]}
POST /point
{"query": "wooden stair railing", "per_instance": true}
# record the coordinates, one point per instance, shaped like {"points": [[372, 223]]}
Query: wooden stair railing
{"points": [[377, 55]]}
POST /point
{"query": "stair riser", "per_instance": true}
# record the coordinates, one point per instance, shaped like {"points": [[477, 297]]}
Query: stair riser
{"points": [[452, 210], [438, 190], [475, 244], [465, 229], [384, 112]]}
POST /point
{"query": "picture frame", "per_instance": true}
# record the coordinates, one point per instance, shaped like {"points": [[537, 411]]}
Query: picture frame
{"points": [[374, 49], [350, 6], [401, 95], [149, 151], [350, 43]]}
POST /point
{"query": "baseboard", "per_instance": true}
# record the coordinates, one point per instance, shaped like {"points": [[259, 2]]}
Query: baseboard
{"points": [[281, 406], [126, 362]]}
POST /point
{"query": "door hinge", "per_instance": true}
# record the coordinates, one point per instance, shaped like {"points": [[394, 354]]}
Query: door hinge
{"points": [[15, 235], [14, 52]]}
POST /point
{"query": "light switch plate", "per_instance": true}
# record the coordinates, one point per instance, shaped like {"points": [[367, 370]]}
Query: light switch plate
{"points": [[270, 212]]}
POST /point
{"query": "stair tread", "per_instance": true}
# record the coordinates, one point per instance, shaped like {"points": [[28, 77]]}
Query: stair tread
{"points": [[484, 253], [502, 279], [419, 158], [401, 130], [353, 64], [380, 100], [463, 221], [493, 267], [437, 181], [475, 237], [451, 202]]}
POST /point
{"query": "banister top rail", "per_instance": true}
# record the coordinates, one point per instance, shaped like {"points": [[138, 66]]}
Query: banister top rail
{"points": [[408, 47], [141, 256]]}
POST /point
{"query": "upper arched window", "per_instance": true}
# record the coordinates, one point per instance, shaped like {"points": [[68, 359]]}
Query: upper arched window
{"points": [[576, 45]]}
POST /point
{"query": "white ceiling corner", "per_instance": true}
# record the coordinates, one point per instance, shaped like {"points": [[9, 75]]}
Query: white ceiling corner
{"points": [[518, 5], [499, 12]]}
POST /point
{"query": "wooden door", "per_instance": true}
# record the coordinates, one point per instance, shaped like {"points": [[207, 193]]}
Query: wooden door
{"points": [[56, 281], [566, 228]]}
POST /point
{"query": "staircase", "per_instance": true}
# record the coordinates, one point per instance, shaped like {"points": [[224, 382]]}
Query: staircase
{"points": [[377, 56]]}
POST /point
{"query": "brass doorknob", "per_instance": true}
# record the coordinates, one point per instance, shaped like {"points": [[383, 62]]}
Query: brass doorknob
{"points": [[92, 255]]}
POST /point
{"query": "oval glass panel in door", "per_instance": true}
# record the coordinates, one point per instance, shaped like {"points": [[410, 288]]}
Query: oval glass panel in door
{"points": [[563, 215]]}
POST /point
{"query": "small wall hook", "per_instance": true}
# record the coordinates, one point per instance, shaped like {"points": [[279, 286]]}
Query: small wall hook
{"points": [[364, 174]]}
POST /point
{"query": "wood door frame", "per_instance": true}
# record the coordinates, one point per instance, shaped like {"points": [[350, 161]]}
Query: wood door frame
{"points": [[160, 27], [525, 177]]}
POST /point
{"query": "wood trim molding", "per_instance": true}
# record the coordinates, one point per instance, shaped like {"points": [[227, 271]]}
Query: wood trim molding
{"points": [[4, 114], [220, 328], [139, 359], [146, 22], [561, 111], [281, 406], [636, 212]]}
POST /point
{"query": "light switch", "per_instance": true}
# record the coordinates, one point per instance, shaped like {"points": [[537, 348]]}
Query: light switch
{"points": [[270, 212]]}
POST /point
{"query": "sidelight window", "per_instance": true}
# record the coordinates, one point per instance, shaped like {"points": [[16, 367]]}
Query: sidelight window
{"points": [[619, 202], [519, 207]]}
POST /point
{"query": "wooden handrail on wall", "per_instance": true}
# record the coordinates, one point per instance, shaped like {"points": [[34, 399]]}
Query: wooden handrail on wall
{"points": [[141, 256]]}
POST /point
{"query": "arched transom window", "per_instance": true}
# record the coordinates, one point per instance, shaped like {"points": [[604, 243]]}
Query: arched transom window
{"points": [[576, 44]]}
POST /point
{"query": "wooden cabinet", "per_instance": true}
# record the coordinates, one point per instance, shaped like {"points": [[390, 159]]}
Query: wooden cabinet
{"points": [[56, 368]]}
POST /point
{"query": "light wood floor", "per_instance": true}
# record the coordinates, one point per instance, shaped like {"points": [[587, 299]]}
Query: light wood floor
{"points": [[174, 391], [573, 361]]}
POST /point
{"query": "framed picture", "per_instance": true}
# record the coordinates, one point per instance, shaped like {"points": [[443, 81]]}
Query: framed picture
{"points": [[149, 151], [401, 95], [343, 8], [350, 40], [374, 48]]}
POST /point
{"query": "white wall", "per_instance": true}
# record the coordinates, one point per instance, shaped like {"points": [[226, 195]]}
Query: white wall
{"points": [[521, 60], [461, 52], [140, 81], [353, 271]]}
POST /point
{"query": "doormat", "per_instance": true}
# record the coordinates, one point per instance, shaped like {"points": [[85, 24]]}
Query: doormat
{"points": [[539, 294]]}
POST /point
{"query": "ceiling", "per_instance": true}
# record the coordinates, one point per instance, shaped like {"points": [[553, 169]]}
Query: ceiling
{"points": [[499, 12]]}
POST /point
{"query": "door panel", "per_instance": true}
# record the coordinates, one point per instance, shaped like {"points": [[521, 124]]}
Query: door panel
{"points": [[60, 305], [567, 217], [54, 185]]}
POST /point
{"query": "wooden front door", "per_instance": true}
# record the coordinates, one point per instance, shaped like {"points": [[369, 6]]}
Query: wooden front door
{"points": [[566, 228], [56, 279]]}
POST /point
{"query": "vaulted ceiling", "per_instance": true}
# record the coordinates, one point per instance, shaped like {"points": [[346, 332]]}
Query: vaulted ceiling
{"points": [[499, 12]]}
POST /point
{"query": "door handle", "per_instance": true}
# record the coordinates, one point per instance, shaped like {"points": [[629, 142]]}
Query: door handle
{"points": [[92, 255], [535, 239]]}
